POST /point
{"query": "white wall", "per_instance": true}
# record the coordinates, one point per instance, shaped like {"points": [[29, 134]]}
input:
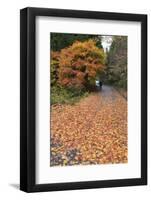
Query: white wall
{"points": [[9, 99]]}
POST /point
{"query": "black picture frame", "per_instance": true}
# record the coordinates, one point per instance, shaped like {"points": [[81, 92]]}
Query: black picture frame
{"points": [[28, 99]]}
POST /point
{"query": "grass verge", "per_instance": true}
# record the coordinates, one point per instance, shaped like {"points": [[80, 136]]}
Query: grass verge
{"points": [[60, 95]]}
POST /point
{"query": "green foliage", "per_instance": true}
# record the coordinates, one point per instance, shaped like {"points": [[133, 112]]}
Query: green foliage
{"points": [[54, 74], [61, 95], [116, 72], [62, 40]]}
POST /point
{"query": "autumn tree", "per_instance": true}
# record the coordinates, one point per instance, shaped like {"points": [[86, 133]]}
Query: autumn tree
{"points": [[54, 67], [80, 63]]}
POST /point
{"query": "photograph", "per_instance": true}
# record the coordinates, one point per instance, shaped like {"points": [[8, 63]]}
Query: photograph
{"points": [[88, 99], [83, 99]]}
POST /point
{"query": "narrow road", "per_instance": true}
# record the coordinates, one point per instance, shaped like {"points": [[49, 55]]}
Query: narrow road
{"points": [[108, 93], [93, 131]]}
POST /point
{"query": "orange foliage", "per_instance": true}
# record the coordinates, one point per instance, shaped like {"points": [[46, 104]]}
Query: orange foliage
{"points": [[55, 55], [80, 63]]}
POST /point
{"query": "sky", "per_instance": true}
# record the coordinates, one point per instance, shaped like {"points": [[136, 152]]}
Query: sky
{"points": [[106, 42]]}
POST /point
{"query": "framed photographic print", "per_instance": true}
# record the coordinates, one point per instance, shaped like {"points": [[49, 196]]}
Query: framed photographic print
{"points": [[83, 99]]}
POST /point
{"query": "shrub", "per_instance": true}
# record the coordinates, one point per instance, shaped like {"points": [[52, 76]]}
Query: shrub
{"points": [[60, 95]]}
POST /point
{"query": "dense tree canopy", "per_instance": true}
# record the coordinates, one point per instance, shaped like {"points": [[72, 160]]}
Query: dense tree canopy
{"points": [[62, 40], [116, 72]]}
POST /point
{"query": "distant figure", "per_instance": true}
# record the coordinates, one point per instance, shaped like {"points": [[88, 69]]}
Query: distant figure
{"points": [[100, 83]]}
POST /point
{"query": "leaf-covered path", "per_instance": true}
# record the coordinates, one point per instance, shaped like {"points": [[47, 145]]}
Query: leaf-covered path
{"points": [[93, 131]]}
